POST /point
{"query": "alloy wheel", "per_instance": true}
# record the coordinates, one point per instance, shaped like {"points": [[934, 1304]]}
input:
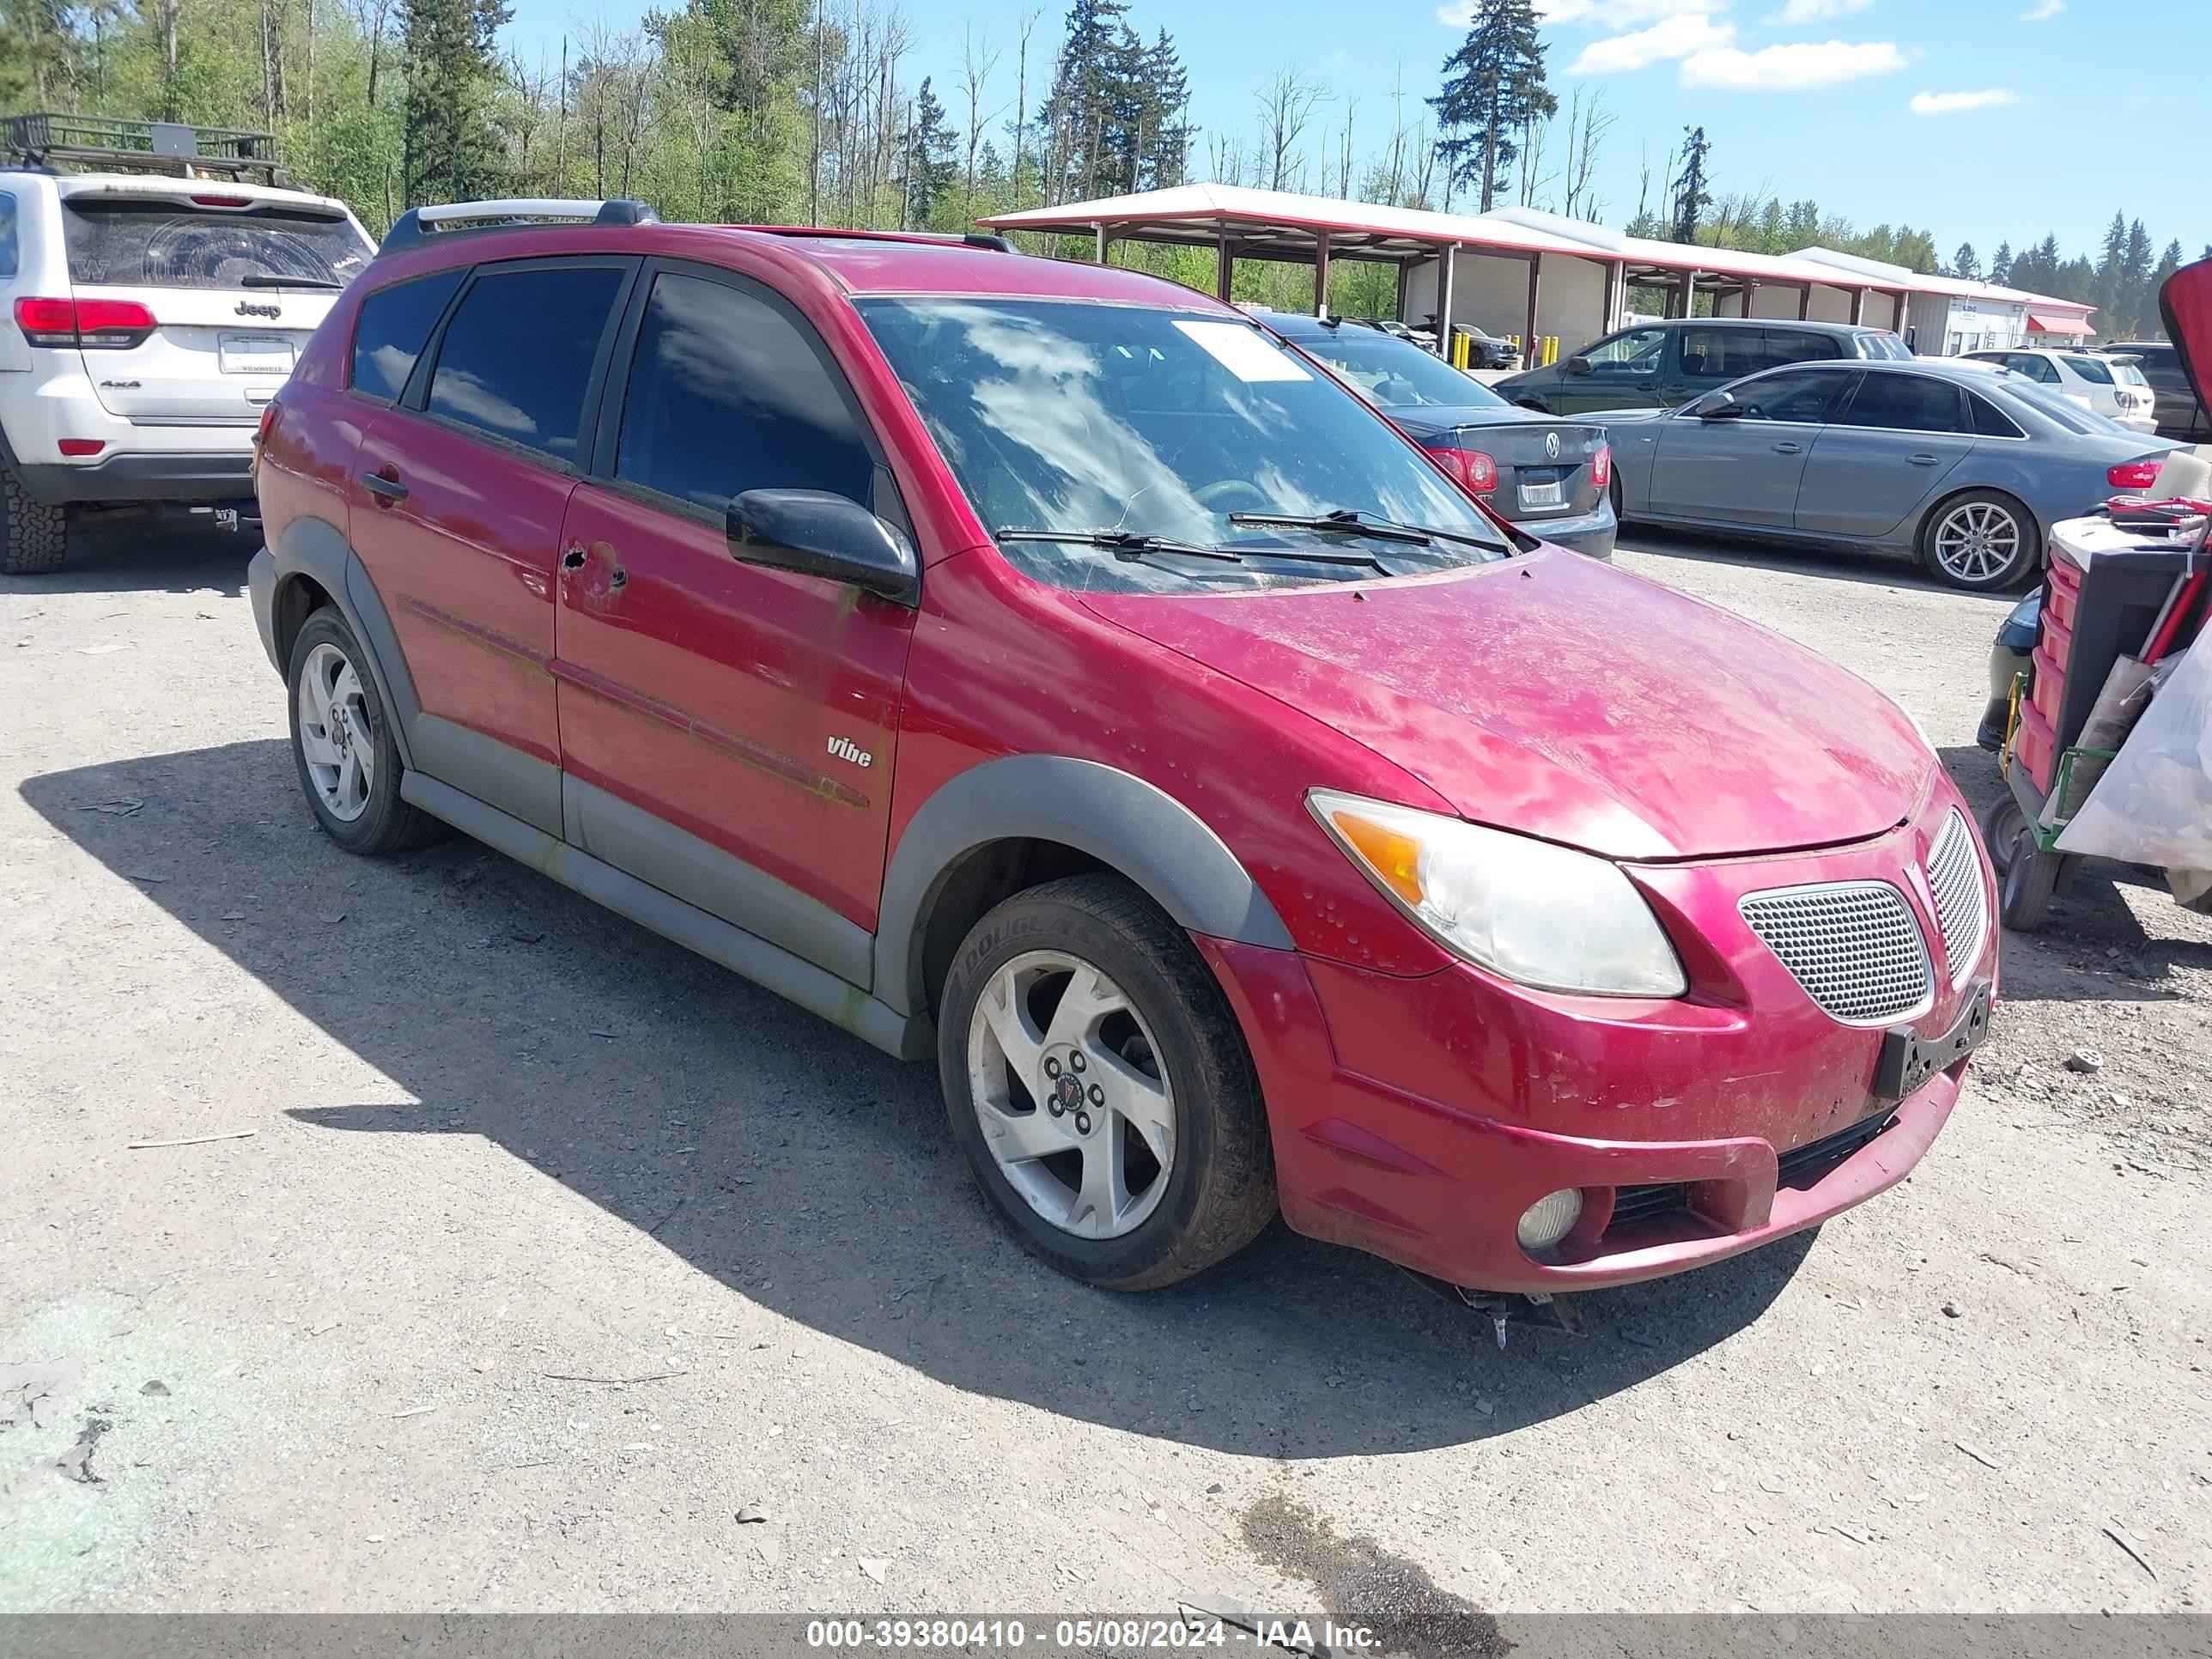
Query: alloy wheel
{"points": [[1076, 1107], [1978, 542], [335, 739]]}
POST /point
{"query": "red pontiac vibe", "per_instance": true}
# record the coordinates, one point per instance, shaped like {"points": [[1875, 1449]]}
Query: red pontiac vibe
{"points": [[1035, 667]]}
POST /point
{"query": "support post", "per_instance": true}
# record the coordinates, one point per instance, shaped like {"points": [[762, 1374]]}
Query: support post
{"points": [[1616, 294], [1405, 271], [1444, 301], [1531, 352], [1900, 315], [1689, 294], [1225, 268], [1858, 306], [1320, 274], [1101, 229], [1804, 302]]}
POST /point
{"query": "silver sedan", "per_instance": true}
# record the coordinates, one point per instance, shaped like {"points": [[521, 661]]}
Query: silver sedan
{"points": [[1961, 465]]}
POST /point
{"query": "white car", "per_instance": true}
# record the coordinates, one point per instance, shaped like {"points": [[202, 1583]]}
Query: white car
{"points": [[2111, 386], [145, 323]]}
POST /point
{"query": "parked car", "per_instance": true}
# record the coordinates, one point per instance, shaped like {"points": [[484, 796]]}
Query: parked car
{"points": [[1040, 669], [1961, 465], [2179, 412], [2010, 657], [2113, 386], [1483, 351], [1663, 364], [1550, 476], [147, 322]]}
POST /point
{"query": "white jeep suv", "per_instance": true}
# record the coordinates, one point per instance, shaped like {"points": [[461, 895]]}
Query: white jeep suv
{"points": [[145, 323]]}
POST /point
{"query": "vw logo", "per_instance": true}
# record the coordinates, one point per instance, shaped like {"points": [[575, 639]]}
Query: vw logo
{"points": [[1552, 444]]}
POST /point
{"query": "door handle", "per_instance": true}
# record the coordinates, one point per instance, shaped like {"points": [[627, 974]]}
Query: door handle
{"points": [[1788, 448], [386, 489], [1923, 460]]}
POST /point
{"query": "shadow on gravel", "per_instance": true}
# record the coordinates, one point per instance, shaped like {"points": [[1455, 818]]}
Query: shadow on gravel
{"points": [[801, 1169], [134, 553]]}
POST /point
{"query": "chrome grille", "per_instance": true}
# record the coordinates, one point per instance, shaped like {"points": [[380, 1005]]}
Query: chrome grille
{"points": [[1853, 945], [1962, 910]]}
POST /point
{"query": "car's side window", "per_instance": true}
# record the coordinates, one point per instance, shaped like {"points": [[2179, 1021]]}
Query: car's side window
{"points": [[518, 354], [393, 327], [9, 256], [1989, 420], [1721, 354], [1802, 398], [1637, 352], [727, 394], [1905, 402], [1792, 345]]}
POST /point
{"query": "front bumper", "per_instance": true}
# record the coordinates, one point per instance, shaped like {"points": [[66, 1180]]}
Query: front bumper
{"points": [[1417, 1119]]}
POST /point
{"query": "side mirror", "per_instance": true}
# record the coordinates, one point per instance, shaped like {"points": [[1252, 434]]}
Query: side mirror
{"points": [[1578, 364], [822, 534], [1718, 406]]}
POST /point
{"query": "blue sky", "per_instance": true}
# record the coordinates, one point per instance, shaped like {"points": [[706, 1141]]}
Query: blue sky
{"points": [[1984, 120]]}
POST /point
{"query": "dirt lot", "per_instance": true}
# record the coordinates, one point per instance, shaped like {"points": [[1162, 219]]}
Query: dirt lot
{"points": [[506, 1147]]}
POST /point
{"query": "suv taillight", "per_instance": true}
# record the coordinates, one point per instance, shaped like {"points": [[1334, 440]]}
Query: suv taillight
{"points": [[1601, 466], [1473, 469], [90, 324], [2133, 475]]}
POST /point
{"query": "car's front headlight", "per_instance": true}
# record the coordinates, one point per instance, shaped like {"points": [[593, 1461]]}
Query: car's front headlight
{"points": [[1541, 915]]}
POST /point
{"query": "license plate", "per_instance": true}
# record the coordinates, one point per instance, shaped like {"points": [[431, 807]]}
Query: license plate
{"points": [[1908, 1060], [1533, 496], [254, 354]]}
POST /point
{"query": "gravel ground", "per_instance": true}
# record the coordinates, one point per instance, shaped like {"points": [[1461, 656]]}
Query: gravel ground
{"points": [[554, 1255]]}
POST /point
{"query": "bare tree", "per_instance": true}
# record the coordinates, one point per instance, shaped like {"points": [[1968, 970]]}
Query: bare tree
{"points": [[1022, 100], [1287, 104], [977, 60], [1588, 121], [1344, 150]]}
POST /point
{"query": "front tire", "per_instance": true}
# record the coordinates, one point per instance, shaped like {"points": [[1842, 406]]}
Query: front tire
{"points": [[1097, 1082], [33, 536], [1982, 542], [343, 746]]}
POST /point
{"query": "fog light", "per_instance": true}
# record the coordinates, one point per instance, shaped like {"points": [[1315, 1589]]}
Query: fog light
{"points": [[1550, 1219]]}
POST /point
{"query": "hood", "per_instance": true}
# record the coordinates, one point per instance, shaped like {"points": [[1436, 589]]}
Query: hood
{"points": [[2185, 303], [1560, 697]]}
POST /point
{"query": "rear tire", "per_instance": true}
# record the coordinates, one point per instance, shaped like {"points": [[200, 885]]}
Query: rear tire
{"points": [[1981, 542], [1106, 1067], [33, 536]]}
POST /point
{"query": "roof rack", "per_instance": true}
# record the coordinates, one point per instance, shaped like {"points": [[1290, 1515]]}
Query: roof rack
{"points": [[49, 141], [418, 224], [951, 237]]}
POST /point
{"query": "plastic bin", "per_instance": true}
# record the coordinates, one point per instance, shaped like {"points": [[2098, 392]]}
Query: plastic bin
{"points": [[2035, 746], [2058, 641], [2050, 693]]}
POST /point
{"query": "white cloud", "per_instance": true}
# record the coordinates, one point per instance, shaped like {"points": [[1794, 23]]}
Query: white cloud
{"points": [[1959, 103], [1796, 68], [1816, 11], [1612, 13], [2044, 12], [1670, 37]]}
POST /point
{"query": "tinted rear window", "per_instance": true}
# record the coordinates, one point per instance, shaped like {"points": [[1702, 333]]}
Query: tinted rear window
{"points": [[1989, 420], [1882, 347], [519, 351], [168, 245], [394, 326], [2090, 369]]}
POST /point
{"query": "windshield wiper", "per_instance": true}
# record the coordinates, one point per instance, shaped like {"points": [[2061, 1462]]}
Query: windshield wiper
{"points": [[1347, 521], [1125, 544], [265, 279]]}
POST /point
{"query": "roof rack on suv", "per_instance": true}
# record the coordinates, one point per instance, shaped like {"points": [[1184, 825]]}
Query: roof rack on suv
{"points": [[417, 224], [50, 141], [953, 238]]}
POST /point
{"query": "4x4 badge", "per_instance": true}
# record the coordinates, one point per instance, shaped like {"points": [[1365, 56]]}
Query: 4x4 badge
{"points": [[247, 308]]}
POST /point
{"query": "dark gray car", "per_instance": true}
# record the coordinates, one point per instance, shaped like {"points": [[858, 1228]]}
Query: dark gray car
{"points": [[1660, 365], [1964, 466]]}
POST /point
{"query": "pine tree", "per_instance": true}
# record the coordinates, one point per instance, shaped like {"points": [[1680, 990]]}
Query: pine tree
{"points": [[1082, 91], [450, 154], [929, 164], [2001, 264], [1691, 196], [1967, 264], [1493, 88], [1166, 149]]}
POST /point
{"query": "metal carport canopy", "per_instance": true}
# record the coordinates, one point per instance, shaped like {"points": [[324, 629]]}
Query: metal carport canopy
{"points": [[1241, 222]]}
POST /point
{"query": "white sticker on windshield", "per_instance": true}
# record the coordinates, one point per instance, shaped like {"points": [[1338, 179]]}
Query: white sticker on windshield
{"points": [[1243, 353]]}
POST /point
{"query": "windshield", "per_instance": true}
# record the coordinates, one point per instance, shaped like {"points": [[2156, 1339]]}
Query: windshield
{"points": [[163, 243], [1397, 373], [1077, 415]]}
